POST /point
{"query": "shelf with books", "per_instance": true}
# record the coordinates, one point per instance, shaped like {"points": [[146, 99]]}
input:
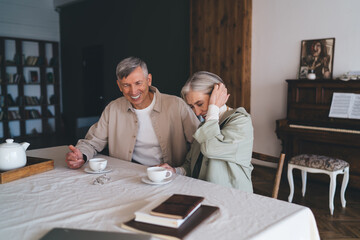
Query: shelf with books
{"points": [[29, 101], [29, 74]]}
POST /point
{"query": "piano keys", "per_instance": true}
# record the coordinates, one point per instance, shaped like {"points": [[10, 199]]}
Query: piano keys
{"points": [[324, 129]]}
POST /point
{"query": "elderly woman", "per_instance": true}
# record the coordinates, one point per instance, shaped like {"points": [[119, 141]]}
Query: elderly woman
{"points": [[222, 147]]}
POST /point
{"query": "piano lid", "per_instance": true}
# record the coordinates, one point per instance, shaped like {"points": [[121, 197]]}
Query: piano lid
{"points": [[309, 102]]}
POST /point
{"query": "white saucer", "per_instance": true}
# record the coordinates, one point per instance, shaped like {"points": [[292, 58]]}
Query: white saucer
{"points": [[148, 181], [106, 170]]}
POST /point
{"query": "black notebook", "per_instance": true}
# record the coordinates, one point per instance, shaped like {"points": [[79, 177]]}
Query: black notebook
{"points": [[178, 206]]}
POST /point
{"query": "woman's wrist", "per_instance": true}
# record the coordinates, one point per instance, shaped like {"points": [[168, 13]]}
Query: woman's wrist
{"points": [[180, 171], [212, 112]]}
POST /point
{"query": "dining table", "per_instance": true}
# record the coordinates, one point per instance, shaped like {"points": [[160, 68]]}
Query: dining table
{"points": [[75, 198]]}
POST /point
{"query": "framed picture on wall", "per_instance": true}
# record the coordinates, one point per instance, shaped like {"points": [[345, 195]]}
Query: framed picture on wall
{"points": [[317, 56]]}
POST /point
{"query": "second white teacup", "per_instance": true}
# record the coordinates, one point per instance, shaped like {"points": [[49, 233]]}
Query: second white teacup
{"points": [[97, 164], [158, 174]]}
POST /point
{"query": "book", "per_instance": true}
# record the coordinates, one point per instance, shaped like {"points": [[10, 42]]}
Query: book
{"points": [[53, 62], [49, 113], [28, 60], [35, 61], [34, 76], [345, 105], [19, 59], [2, 101], [16, 78], [143, 215], [52, 99], [190, 224], [9, 100], [177, 206], [50, 77], [40, 61], [9, 78]]}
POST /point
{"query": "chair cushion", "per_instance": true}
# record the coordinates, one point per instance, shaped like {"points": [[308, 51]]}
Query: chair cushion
{"points": [[319, 162]]}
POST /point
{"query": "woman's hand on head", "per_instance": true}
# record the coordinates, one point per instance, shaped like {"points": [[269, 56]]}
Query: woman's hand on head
{"points": [[219, 95]]}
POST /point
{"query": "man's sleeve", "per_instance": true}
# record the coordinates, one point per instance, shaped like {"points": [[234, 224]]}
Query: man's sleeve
{"points": [[96, 138]]}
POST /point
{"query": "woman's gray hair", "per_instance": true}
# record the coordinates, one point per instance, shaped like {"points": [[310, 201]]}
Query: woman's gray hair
{"points": [[128, 65], [201, 82]]}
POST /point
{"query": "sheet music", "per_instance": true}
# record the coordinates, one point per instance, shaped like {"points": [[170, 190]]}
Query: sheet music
{"points": [[340, 105], [355, 108]]}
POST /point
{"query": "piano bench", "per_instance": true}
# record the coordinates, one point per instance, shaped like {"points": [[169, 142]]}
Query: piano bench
{"points": [[319, 164]]}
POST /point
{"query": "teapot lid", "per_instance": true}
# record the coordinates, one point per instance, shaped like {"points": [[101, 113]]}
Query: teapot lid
{"points": [[9, 144]]}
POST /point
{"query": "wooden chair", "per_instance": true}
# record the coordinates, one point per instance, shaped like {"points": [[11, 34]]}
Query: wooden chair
{"points": [[278, 163]]}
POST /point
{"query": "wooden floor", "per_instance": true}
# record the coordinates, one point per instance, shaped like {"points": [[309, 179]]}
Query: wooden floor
{"points": [[344, 224]]}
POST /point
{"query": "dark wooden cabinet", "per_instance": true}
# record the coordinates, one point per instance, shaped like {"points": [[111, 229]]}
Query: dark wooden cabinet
{"points": [[309, 129], [30, 88]]}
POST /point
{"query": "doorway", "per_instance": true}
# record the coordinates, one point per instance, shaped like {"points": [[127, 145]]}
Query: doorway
{"points": [[93, 78]]}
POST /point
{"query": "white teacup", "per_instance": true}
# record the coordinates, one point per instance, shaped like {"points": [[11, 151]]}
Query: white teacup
{"points": [[97, 164], [158, 174]]}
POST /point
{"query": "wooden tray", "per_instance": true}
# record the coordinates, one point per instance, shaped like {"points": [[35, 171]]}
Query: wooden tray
{"points": [[33, 166]]}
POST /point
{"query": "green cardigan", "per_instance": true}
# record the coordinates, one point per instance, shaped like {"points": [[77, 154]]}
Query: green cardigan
{"points": [[227, 149]]}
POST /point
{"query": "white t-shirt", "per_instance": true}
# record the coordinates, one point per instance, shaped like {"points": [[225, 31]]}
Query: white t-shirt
{"points": [[147, 149]]}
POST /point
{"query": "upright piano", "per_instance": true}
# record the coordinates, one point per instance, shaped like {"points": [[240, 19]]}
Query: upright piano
{"points": [[309, 129]]}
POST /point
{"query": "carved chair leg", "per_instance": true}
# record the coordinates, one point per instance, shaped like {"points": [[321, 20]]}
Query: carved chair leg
{"points": [[344, 185], [304, 179], [332, 189], [291, 182]]}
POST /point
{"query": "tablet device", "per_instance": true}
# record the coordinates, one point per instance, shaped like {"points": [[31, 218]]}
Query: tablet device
{"points": [[83, 234]]}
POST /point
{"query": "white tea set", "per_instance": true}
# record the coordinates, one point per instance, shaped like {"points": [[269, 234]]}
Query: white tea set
{"points": [[12, 155]]}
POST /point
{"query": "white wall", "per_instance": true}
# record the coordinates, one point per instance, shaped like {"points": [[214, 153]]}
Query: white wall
{"points": [[277, 30], [35, 19]]}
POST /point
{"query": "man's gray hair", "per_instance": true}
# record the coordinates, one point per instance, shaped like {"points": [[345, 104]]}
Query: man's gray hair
{"points": [[128, 65], [201, 82]]}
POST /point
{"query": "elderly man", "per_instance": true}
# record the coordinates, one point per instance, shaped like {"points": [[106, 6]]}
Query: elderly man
{"points": [[144, 126]]}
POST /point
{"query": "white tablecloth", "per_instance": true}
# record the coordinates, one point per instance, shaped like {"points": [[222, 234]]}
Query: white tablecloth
{"points": [[62, 197]]}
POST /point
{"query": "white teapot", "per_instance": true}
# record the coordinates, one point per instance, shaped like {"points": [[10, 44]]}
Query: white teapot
{"points": [[12, 155]]}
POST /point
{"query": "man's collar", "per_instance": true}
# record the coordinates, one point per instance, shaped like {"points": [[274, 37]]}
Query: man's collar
{"points": [[157, 106]]}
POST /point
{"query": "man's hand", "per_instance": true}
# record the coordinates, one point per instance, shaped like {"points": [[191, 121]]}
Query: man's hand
{"points": [[219, 95], [74, 159]]}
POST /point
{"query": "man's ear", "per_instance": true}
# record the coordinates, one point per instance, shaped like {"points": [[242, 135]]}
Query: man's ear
{"points": [[149, 79], [118, 83]]}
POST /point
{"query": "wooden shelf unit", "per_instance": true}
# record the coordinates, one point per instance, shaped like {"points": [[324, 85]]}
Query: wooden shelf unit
{"points": [[44, 64]]}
